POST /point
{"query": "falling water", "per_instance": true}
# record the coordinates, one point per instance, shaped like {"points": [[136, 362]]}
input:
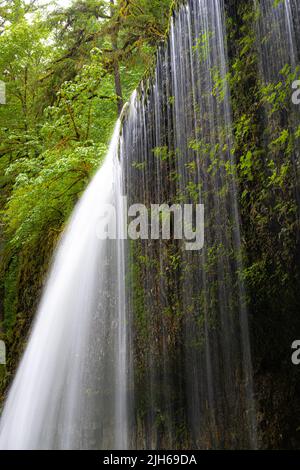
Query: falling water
{"points": [[278, 31], [192, 361], [159, 358], [279, 55], [69, 391]]}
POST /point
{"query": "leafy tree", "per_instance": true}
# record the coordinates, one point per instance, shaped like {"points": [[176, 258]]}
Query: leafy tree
{"points": [[68, 72]]}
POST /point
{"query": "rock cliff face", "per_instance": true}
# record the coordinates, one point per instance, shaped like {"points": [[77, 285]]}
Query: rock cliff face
{"points": [[211, 330], [264, 62], [215, 124]]}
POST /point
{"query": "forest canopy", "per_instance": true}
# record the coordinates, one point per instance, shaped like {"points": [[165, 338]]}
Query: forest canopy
{"points": [[68, 68]]}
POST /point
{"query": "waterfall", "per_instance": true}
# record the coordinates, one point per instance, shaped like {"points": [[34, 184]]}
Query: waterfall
{"points": [[278, 30], [193, 371], [144, 344], [69, 391], [279, 53]]}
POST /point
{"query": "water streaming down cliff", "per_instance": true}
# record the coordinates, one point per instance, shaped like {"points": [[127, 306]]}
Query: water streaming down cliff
{"points": [[161, 360], [70, 388], [192, 361], [279, 54], [278, 36]]}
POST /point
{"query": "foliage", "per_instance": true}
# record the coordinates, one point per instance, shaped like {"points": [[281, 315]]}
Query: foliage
{"points": [[67, 73], [266, 147]]}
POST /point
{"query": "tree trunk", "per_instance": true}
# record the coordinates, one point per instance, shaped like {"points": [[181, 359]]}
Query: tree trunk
{"points": [[117, 77]]}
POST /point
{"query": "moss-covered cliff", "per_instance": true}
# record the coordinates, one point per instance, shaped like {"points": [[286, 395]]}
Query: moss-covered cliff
{"points": [[227, 136]]}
